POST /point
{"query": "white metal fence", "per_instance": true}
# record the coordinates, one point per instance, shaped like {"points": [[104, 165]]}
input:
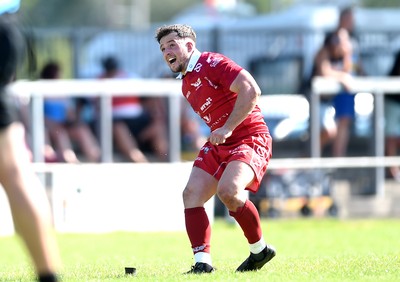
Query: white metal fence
{"points": [[104, 89], [378, 86]]}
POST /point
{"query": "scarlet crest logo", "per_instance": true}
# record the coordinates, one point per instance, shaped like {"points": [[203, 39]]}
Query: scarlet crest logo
{"points": [[196, 84]]}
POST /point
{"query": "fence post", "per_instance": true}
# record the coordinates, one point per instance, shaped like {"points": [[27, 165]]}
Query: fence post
{"points": [[379, 125], [106, 136], [315, 125], [174, 124], [37, 127]]}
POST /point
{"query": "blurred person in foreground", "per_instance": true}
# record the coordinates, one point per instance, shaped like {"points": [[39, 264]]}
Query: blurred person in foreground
{"points": [[28, 201], [392, 120], [236, 155]]}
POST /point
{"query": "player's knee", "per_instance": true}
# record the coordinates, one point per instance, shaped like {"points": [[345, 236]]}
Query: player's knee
{"points": [[226, 193], [187, 194]]}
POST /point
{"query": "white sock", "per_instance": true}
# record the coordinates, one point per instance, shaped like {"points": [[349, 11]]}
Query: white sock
{"points": [[257, 247], [203, 257]]}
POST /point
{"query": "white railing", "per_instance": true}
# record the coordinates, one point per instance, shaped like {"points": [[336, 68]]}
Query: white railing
{"points": [[378, 86], [104, 89], [170, 88]]}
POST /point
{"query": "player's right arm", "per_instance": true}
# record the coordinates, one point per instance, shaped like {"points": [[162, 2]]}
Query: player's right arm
{"points": [[248, 92]]}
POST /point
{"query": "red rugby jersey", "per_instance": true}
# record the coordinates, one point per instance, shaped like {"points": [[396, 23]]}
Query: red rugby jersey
{"points": [[206, 87]]}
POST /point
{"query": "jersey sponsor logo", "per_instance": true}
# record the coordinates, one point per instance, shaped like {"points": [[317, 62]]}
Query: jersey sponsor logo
{"points": [[206, 105], [196, 84], [197, 68], [213, 61], [210, 82], [207, 118], [188, 94], [219, 120]]}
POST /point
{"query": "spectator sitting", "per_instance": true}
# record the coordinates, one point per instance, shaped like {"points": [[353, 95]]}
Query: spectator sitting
{"points": [[392, 119], [138, 124], [193, 137], [62, 125], [193, 132]]}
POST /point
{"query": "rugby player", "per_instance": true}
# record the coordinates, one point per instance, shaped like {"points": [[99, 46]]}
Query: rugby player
{"points": [[236, 155]]}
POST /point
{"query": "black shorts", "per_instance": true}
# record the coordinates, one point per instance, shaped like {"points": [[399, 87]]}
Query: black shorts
{"points": [[8, 111], [12, 47]]}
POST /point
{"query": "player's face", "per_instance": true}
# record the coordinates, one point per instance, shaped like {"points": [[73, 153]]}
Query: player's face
{"points": [[175, 52]]}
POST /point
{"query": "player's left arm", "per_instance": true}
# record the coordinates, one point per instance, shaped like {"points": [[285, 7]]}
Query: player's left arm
{"points": [[248, 92]]}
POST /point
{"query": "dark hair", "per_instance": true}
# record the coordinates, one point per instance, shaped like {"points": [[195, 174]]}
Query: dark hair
{"points": [[12, 49], [110, 63], [182, 31], [395, 71], [50, 70], [345, 11], [332, 39]]}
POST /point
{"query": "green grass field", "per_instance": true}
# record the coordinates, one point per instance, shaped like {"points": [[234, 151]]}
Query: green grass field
{"points": [[307, 250]]}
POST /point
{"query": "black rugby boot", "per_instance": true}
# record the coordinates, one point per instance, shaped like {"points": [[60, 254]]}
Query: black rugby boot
{"points": [[252, 263], [201, 267]]}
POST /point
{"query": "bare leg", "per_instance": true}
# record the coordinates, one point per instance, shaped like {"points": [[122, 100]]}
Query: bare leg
{"points": [[392, 143], [342, 137], [157, 135], [59, 135], [87, 142], [200, 188], [126, 143], [326, 137], [231, 187], [28, 201]]}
